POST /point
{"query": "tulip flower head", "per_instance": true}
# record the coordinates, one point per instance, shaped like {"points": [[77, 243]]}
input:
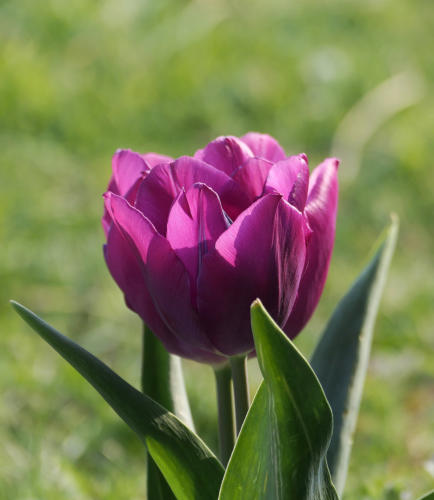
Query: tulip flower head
{"points": [[193, 241]]}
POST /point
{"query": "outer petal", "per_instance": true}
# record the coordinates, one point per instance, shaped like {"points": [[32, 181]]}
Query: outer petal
{"points": [[261, 255], [159, 189], [195, 222], [251, 176], [106, 218], [320, 211], [126, 254], [153, 159], [299, 190], [169, 285], [130, 196], [264, 146], [283, 175], [127, 267], [128, 167], [225, 153]]}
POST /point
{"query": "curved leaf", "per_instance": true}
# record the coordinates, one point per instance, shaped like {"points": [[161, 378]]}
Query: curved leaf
{"points": [[281, 450], [341, 357], [190, 468]]}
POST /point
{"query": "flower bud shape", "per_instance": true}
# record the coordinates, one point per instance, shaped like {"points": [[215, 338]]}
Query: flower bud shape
{"points": [[193, 241]]}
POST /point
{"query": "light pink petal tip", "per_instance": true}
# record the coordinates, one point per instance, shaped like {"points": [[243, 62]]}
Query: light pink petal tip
{"points": [[128, 167], [226, 153], [153, 159], [264, 146]]}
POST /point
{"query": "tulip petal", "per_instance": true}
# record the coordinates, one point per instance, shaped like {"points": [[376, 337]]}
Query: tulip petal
{"points": [[106, 218], [163, 184], [127, 168], [264, 146], [251, 176], [298, 195], [283, 175], [261, 255], [226, 153], [195, 222], [127, 267], [169, 285], [154, 159], [133, 226], [320, 212], [126, 255]]}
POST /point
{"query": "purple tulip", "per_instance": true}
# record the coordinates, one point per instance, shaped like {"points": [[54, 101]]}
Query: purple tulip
{"points": [[192, 242]]}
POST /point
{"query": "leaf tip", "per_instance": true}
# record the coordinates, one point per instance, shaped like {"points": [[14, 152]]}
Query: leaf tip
{"points": [[26, 314], [394, 224], [16, 305], [394, 218], [263, 325], [256, 309], [256, 303]]}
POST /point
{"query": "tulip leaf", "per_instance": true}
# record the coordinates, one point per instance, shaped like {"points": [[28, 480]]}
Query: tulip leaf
{"points": [[428, 496], [341, 357], [190, 468], [281, 451], [163, 381]]}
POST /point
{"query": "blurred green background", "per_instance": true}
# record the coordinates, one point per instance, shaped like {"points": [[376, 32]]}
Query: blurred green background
{"points": [[80, 79]]}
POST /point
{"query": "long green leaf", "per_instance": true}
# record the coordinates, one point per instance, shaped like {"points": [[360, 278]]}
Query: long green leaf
{"points": [[341, 358], [190, 468], [428, 496], [281, 450], [163, 381]]}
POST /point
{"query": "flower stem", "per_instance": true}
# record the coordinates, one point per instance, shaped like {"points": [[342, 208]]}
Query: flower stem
{"points": [[155, 374], [156, 387], [241, 389], [225, 411]]}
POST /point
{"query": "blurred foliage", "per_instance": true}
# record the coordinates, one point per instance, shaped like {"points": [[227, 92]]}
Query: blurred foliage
{"points": [[80, 79]]}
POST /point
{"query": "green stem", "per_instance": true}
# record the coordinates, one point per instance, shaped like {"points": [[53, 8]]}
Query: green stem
{"points": [[154, 354], [157, 387], [225, 412], [241, 389]]}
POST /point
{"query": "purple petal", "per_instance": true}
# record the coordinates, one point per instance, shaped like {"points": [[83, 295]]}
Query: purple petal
{"points": [[261, 255], [320, 212], [264, 146], [163, 184], [195, 222], [106, 218], [127, 267], [251, 177], [169, 285], [127, 271], [283, 175], [225, 153], [128, 167], [130, 196], [153, 159], [298, 195], [126, 255], [131, 224]]}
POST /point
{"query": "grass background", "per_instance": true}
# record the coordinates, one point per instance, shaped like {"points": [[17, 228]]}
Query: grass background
{"points": [[80, 79]]}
